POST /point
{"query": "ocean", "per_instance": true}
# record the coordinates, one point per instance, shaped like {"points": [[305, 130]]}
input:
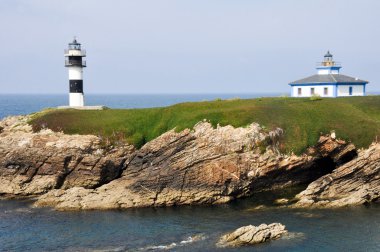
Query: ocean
{"points": [[185, 228], [13, 104]]}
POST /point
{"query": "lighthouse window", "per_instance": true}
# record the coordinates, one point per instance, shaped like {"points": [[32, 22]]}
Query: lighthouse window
{"points": [[312, 91], [325, 91], [299, 91]]}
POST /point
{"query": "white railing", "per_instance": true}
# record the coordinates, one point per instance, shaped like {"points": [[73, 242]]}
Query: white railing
{"points": [[69, 52], [75, 63]]}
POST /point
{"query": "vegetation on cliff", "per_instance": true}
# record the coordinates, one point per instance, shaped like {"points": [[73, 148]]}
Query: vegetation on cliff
{"points": [[355, 119]]}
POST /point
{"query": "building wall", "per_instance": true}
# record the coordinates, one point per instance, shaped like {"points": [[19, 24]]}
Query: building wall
{"points": [[327, 71], [323, 70], [76, 100], [318, 90], [75, 73], [357, 90]]}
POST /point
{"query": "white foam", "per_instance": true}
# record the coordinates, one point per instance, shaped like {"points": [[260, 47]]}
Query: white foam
{"points": [[190, 239], [293, 235]]}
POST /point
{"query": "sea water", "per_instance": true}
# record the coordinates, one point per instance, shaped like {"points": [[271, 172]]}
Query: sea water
{"points": [[185, 228], [12, 104]]}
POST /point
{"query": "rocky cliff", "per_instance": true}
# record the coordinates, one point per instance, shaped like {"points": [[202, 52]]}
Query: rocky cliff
{"points": [[35, 163], [205, 165], [354, 183]]}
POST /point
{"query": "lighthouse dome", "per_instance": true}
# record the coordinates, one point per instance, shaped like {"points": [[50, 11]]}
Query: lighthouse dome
{"points": [[75, 42], [328, 55]]}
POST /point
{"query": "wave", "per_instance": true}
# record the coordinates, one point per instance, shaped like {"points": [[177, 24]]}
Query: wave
{"points": [[163, 247], [188, 240]]}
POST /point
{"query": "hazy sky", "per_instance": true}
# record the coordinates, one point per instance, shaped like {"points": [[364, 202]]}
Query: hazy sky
{"points": [[193, 46]]}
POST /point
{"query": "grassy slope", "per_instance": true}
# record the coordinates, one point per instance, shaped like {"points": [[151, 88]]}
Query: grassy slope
{"points": [[355, 118]]}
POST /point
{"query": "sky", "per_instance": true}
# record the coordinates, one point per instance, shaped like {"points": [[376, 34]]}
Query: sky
{"points": [[179, 46]]}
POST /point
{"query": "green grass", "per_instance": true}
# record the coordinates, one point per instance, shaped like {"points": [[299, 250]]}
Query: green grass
{"points": [[355, 119]]}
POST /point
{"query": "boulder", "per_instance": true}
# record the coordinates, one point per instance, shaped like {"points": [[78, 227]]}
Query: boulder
{"points": [[250, 235]]}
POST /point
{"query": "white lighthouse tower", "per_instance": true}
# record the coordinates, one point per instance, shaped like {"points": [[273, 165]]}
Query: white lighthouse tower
{"points": [[75, 64]]}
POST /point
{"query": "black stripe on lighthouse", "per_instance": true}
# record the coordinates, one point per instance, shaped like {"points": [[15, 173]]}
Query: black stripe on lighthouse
{"points": [[75, 61], [76, 86]]}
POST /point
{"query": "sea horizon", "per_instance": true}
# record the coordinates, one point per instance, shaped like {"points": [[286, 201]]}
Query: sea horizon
{"points": [[23, 103]]}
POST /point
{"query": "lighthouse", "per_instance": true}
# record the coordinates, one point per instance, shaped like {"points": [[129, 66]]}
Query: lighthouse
{"points": [[328, 82], [75, 64]]}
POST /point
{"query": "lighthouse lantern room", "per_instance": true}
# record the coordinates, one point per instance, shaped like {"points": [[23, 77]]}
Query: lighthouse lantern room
{"points": [[75, 64]]}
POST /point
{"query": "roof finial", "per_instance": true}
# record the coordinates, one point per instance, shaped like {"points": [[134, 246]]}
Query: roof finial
{"points": [[328, 54]]}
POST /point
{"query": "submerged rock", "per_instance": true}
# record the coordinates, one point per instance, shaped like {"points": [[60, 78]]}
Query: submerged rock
{"points": [[354, 183], [250, 235]]}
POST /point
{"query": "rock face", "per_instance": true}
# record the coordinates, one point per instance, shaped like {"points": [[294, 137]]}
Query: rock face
{"points": [[204, 166], [250, 235], [34, 163], [354, 183], [200, 166]]}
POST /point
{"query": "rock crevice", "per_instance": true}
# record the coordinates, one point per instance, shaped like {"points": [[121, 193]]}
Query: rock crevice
{"points": [[355, 183]]}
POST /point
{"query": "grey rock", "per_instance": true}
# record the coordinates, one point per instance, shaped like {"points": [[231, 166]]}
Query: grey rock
{"points": [[250, 235], [354, 183]]}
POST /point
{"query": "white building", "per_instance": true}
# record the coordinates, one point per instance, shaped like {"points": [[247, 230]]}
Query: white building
{"points": [[328, 82]]}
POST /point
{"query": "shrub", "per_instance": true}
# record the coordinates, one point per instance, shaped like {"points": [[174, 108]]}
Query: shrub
{"points": [[315, 97]]}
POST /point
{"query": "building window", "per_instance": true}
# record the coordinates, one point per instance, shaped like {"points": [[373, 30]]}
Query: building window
{"points": [[326, 91], [350, 90], [312, 91], [299, 91]]}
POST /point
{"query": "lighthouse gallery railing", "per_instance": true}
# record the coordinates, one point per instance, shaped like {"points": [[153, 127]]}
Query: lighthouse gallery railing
{"points": [[79, 53], [75, 63]]}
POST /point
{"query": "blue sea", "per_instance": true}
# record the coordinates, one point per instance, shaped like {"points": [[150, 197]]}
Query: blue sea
{"points": [[13, 104], [186, 228]]}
